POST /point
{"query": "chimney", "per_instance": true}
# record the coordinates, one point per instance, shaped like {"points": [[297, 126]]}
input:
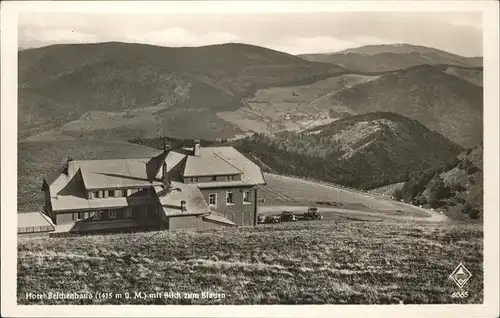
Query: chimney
{"points": [[165, 144], [164, 174], [183, 206], [196, 148], [70, 169]]}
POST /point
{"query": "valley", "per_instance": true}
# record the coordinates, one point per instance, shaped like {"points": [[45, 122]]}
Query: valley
{"points": [[120, 91], [294, 108]]}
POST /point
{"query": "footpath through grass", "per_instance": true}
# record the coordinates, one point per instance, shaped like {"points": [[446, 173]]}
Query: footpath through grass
{"points": [[311, 262]]}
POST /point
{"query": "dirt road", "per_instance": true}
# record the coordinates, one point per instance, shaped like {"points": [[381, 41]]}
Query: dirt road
{"points": [[336, 212], [281, 190]]}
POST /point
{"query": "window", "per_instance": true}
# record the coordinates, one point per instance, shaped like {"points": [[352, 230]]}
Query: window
{"points": [[214, 178], [246, 197], [142, 191], [112, 214], [212, 199], [229, 198], [111, 193], [79, 216], [96, 194], [195, 179]]}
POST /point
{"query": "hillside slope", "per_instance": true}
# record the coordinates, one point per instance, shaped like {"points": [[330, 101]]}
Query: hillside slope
{"points": [[375, 58], [341, 262], [60, 83], [458, 189], [442, 102], [373, 147], [443, 98], [362, 151]]}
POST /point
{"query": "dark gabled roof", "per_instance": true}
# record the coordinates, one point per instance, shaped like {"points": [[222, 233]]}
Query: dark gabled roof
{"points": [[154, 164], [51, 177]]}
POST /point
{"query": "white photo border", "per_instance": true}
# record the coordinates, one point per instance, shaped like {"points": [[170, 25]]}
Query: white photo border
{"points": [[9, 42]]}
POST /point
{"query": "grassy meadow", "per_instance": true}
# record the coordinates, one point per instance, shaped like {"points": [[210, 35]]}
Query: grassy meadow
{"points": [[341, 262]]}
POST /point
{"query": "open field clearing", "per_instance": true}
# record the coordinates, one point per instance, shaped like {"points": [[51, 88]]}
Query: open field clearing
{"points": [[308, 106], [144, 119], [308, 262]]}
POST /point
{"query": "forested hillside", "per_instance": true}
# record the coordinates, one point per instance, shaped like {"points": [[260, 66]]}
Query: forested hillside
{"points": [[58, 84], [456, 188], [365, 151]]}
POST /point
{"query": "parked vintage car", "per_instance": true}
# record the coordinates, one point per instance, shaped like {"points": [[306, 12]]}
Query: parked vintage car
{"points": [[287, 216], [312, 214], [261, 218], [272, 219]]}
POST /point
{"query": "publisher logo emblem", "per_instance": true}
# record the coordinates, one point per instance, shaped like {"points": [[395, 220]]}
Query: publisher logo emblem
{"points": [[460, 275]]}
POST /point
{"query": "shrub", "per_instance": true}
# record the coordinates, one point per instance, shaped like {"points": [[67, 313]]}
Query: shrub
{"points": [[472, 169], [460, 200], [420, 200], [471, 180], [474, 213], [457, 187], [466, 208], [398, 194]]}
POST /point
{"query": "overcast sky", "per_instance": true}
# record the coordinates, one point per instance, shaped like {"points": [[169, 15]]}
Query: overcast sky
{"points": [[295, 33]]}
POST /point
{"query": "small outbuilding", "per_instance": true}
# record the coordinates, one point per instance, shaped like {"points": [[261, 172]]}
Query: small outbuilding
{"points": [[34, 224]]}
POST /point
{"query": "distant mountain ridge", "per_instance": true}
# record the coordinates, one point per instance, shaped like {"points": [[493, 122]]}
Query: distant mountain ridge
{"points": [[386, 57], [60, 83], [121, 91], [443, 102], [401, 48]]}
